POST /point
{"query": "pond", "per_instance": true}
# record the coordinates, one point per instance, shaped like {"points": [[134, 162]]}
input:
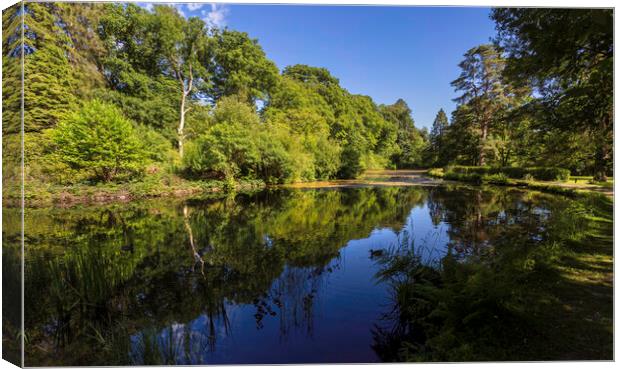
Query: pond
{"points": [[348, 275]]}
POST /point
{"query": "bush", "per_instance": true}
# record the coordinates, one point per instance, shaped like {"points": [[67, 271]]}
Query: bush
{"points": [[225, 151], [473, 177], [499, 178], [514, 172], [549, 173], [541, 173], [100, 139], [435, 172], [238, 146]]}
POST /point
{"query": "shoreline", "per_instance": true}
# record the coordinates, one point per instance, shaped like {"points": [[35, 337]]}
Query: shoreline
{"points": [[101, 195]]}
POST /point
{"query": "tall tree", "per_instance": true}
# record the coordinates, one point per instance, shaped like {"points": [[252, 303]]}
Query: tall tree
{"points": [[567, 54], [440, 124], [183, 45], [409, 139], [482, 88], [436, 138]]}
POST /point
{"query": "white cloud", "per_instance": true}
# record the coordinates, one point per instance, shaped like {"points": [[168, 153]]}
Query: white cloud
{"points": [[194, 6], [149, 7], [216, 17]]}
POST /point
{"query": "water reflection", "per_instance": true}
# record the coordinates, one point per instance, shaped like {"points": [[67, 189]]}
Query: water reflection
{"points": [[273, 277]]}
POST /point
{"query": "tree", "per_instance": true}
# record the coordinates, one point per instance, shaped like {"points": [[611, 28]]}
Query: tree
{"points": [[241, 67], [440, 124], [304, 113], [183, 46], [57, 71], [482, 88], [567, 55], [436, 137], [100, 139], [409, 140], [158, 62]]}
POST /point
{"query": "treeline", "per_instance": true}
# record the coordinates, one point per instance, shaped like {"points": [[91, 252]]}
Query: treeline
{"points": [[114, 91], [540, 95]]}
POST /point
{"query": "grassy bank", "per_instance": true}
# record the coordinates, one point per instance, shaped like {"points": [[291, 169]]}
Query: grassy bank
{"points": [[150, 186], [574, 187], [553, 294]]}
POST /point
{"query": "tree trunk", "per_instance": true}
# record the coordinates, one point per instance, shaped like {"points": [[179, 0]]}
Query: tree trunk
{"points": [[603, 150], [602, 158], [181, 124], [483, 138], [185, 91]]}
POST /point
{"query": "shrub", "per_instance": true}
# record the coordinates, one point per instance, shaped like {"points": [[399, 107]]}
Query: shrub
{"points": [[499, 178], [225, 151], [473, 177], [463, 169], [435, 172], [549, 173], [514, 172], [541, 173], [157, 148], [100, 139], [238, 146], [528, 177]]}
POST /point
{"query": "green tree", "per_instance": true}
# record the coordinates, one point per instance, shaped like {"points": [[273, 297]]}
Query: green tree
{"points": [[100, 139], [409, 140], [241, 67], [567, 54], [440, 124], [183, 46], [482, 89], [228, 149], [437, 137]]}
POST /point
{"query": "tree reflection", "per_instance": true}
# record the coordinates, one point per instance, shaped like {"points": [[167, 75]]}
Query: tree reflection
{"points": [[125, 283], [493, 293]]}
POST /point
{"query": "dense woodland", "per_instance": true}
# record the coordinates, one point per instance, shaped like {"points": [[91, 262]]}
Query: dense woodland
{"points": [[115, 92]]}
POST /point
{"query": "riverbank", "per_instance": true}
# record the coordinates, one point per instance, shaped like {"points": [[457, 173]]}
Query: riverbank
{"points": [[37, 194], [574, 187], [40, 194]]}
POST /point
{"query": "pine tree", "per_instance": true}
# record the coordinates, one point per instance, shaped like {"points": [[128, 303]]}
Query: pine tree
{"points": [[440, 124], [482, 89]]}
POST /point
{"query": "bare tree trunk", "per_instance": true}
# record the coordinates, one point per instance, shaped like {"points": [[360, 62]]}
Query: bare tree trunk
{"points": [[188, 227], [185, 91], [181, 124]]}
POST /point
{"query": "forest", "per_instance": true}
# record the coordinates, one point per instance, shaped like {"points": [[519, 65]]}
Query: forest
{"points": [[116, 93]]}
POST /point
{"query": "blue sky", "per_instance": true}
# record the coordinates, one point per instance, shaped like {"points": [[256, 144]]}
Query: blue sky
{"points": [[384, 52]]}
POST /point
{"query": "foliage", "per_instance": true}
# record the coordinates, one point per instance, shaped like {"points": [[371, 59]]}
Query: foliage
{"points": [[495, 279], [539, 173], [100, 139], [238, 145], [567, 54], [521, 103], [241, 67]]}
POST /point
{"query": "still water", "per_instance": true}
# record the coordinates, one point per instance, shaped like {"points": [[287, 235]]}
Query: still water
{"points": [[279, 276]]}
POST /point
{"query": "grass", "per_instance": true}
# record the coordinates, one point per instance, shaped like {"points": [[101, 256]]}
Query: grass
{"points": [[581, 323], [545, 300], [574, 187]]}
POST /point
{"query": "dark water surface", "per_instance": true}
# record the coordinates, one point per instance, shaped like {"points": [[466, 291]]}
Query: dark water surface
{"points": [[280, 276]]}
